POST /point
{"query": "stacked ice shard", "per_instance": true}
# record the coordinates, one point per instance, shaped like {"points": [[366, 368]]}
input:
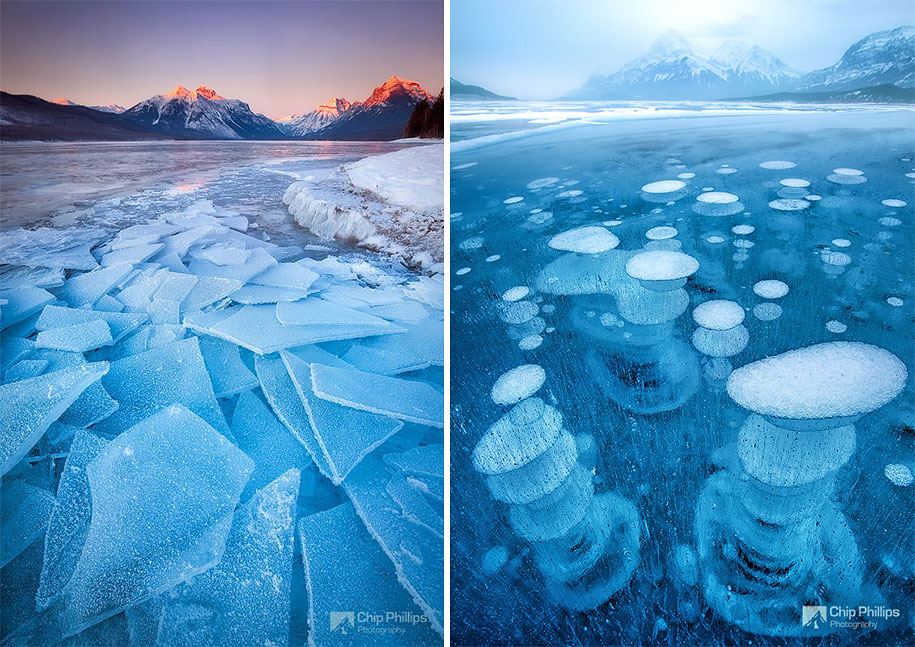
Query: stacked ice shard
{"points": [[176, 400], [585, 545], [770, 537]]}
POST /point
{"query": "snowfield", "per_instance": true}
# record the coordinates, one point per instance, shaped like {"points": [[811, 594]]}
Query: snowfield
{"points": [[392, 203]]}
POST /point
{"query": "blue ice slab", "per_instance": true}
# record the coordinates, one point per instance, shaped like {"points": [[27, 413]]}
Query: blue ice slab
{"points": [[138, 290], [86, 289], [24, 369], [208, 290], [228, 373], [109, 304], [285, 401], [344, 435], [408, 311], [164, 311], [133, 255], [78, 338], [414, 505], [290, 276], [175, 286], [22, 302], [318, 312], [339, 589], [425, 460], [24, 514], [403, 399], [28, 407], [266, 441], [416, 552], [91, 407], [244, 599], [70, 518], [170, 374], [13, 349], [163, 493], [18, 582], [423, 345], [257, 262], [257, 329], [315, 354], [181, 242], [252, 294], [120, 323]]}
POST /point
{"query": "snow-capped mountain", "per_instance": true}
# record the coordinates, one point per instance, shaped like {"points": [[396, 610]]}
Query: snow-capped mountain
{"points": [[64, 102], [383, 115], [884, 57], [111, 107], [752, 69], [323, 115], [673, 69], [202, 112]]}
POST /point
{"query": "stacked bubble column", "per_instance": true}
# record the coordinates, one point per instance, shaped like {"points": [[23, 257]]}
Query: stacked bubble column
{"points": [[770, 536], [584, 544]]}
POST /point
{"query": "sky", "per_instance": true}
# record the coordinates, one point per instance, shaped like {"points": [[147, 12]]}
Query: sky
{"points": [[541, 49], [279, 57]]}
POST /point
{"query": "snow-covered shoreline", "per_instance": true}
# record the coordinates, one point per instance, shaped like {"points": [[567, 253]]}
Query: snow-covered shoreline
{"points": [[391, 203]]}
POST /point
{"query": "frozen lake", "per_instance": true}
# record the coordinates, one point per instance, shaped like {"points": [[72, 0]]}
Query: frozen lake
{"points": [[638, 387]]}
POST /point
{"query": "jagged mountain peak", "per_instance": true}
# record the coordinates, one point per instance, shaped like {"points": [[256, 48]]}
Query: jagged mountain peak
{"points": [[63, 101], [670, 42], [397, 87], [182, 92]]}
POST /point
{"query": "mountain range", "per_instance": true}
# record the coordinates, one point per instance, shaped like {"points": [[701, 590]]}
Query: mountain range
{"points": [[205, 114], [463, 91], [673, 69]]}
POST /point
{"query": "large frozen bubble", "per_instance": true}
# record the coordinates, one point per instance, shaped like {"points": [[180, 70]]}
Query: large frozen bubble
{"points": [[585, 240], [830, 380], [517, 384]]}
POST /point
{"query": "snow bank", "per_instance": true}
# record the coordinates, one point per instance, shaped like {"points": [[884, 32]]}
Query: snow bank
{"points": [[392, 203]]}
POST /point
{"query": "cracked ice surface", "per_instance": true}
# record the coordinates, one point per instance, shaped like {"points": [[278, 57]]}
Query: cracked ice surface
{"points": [[637, 350], [162, 437]]}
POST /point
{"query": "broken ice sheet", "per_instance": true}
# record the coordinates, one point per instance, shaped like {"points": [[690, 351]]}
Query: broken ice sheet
{"points": [[416, 552], [244, 599], [421, 346], [149, 381], [163, 493], [367, 585], [345, 435], [87, 288], [227, 371], [266, 441], [318, 312], [28, 408], [24, 369], [121, 324], [22, 302], [291, 276], [78, 338], [404, 399], [24, 514], [70, 517]]}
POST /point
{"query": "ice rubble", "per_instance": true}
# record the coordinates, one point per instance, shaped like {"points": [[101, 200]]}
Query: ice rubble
{"points": [[189, 401], [391, 203]]}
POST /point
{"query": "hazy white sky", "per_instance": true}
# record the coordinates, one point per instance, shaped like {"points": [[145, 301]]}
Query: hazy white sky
{"points": [[541, 49]]}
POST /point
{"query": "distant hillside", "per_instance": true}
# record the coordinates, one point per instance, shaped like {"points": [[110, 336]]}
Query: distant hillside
{"points": [[428, 120], [887, 93], [466, 92], [24, 117]]}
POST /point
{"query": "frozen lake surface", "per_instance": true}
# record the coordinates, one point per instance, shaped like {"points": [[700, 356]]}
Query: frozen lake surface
{"points": [[204, 405], [618, 477]]}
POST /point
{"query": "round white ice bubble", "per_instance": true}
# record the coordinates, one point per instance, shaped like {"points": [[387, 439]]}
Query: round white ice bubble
{"points": [[471, 243], [789, 204], [493, 258], [661, 265], [743, 243], [892, 202], [767, 311], [462, 271], [770, 289], [898, 474], [530, 342], [574, 193], [714, 240], [813, 197], [585, 240], [517, 384], [516, 293], [836, 327], [847, 171], [726, 171], [896, 302], [777, 165], [718, 314], [661, 233], [795, 182], [542, 182], [841, 242], [716, 197], [513, 200], [840, 259], [686, 176], [743, 230], [518, 312], [831, 380], [663, 186]]}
